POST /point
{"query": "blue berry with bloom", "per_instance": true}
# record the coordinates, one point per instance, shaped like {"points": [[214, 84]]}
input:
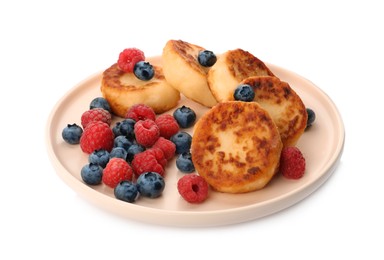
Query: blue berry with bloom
{"points": [[184, 163], [118, 152], [100, 157], [91, 174], [122, 141], [144, 70], [72, 133], [206, 58], [126, 191], [244, 92], [125, 128], [182, 141], [184, 116], [100, 102], [150, 184], [311, 117], [133, 150]]}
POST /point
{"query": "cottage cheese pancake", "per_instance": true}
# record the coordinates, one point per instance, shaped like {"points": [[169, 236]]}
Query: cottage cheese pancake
{"points": [[183, 71], [124, 89], [230, 69], [283, 104], [236, 147]]}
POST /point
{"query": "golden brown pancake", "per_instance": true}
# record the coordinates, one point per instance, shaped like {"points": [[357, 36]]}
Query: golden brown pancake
{"points": [[230, 69], [123, 90], [283, 104], [183, 71], [236, 147]]}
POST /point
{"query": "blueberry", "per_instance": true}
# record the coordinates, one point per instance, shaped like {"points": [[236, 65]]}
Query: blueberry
{"points": [[100, 157], [133, 150], [143, 70], [244, 92], [72, 133], [182, 140], [122, 141], [206, 58], [311, 117], [118, 152], [125, 127], [126, 191], [150, 184], [184, 116], [92, 174], [100, 102], [184, 163]]}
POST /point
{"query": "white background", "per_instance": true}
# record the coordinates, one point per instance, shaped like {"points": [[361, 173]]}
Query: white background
{"points": [[47, 47]]}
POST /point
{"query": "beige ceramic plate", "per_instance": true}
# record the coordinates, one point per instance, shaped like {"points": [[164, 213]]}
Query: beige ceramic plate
{"points": [[322, 146]]}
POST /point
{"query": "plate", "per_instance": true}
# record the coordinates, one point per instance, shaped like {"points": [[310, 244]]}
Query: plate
{"points": [[322, 145]]}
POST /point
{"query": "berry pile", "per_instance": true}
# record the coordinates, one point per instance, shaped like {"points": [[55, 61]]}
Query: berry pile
{"points": [[131, 155]]}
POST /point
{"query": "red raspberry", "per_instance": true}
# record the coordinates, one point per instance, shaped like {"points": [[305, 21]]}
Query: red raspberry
{"points": [[193, 188], [141, 112], [95, 114], [292, 163], [115, 171], [146, 132], [128, 58], [167, 146], [159, 155], [97, 135], [146, 162], [168, 125]]}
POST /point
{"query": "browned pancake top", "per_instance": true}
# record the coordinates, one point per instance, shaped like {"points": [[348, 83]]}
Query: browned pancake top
{"points": [[243, 64], [189, 52], [114, 77], [282, 102], [236, 147]]}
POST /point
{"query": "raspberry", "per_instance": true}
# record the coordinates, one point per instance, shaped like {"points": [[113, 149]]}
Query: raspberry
{"points": [[168, 125], [128, 58], [146, 132], [292, 163], [117, 170], [95, 114], [193, 188], [146, 162], [168, 147], [97, 135], [141, 112], [159, 155]]}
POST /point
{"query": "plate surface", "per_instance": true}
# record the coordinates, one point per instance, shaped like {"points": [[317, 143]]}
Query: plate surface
{"points": [[322, 145]]}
